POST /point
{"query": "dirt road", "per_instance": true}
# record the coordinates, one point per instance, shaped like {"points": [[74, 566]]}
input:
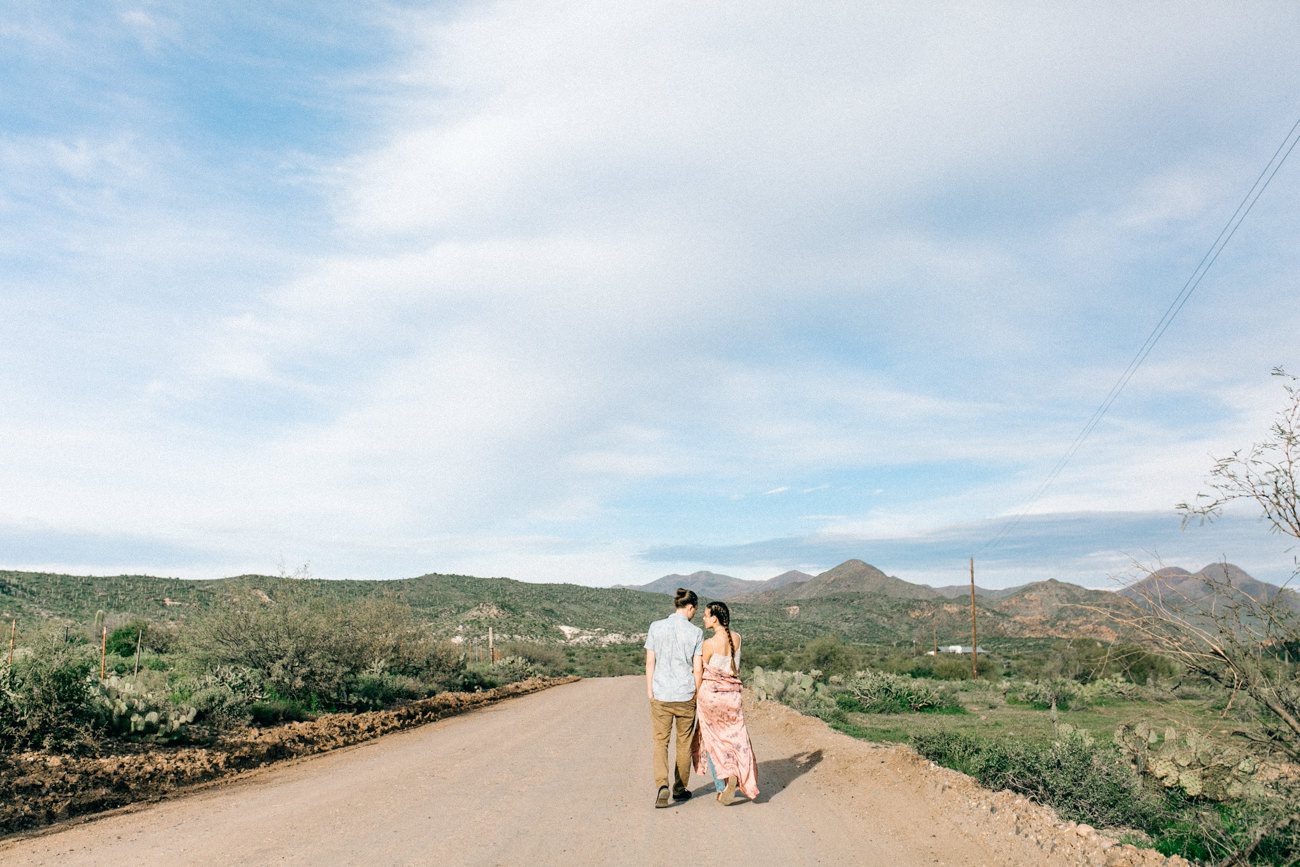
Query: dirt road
{"points": [[563, 777]]}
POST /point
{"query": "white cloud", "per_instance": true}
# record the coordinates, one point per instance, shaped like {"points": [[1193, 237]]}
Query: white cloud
{"points": [[587, 263]]}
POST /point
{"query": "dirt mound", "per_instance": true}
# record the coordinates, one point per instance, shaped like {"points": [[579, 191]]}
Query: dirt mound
{"points": [[39, 788]]}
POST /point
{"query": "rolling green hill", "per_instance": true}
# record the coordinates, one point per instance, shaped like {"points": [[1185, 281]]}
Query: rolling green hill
{"points": [[855, 601], [452, 604]]}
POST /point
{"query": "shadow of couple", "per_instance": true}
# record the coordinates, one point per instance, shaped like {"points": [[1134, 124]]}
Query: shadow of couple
{"points": [[774, 775]]}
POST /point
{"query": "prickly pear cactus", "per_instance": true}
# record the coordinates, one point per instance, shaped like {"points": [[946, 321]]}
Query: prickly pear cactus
{"points": [[139, 705], [1066, 733], [806, 692], [1189, 761]]}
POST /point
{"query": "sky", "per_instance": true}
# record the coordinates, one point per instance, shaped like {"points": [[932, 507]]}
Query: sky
{"points": [[597, 292]]}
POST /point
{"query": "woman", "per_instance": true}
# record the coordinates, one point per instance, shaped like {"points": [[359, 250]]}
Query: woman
{"points": [[721, 746]]}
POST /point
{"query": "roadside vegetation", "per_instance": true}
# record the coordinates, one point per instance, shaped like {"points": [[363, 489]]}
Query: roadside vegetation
{"points": [[1167, 761], [254, 662], [1187, 739]]}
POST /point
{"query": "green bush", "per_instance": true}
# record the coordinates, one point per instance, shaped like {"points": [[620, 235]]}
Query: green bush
{"points": [[1082, 781], [154, 638], [512, 669], [223, 696], [475, 680], [882, 692], [49, 700], [828, 654], [1042, 694], [945, 666], [274, 711], [315, 650], [377, 691], [544, 658], [1107, 689]]}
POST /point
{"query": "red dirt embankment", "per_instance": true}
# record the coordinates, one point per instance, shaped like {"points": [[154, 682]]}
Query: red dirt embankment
{"points": [[38, 788]]}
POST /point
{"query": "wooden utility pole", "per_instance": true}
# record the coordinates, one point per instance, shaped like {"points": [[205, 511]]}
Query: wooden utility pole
{"points": [[934, 634], [13, 634], [492, 646], [974, 641], [103, 653]]}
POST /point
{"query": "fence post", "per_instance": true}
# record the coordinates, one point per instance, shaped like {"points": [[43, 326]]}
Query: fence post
{"points": [[139, 637]]}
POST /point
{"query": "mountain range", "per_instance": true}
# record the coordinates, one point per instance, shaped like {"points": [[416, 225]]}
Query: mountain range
{"points": [[855, 577], [715, 586], [854, 600]]}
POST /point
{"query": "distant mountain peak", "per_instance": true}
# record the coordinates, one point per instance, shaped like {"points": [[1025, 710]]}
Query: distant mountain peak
{"points": [[1198, 588]]}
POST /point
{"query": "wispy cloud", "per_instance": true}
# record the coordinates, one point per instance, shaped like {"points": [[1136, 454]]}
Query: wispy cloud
{"points": [[494, 289]]}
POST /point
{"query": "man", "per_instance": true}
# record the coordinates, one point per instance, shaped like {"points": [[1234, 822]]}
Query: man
{"points": [[674, 668]]}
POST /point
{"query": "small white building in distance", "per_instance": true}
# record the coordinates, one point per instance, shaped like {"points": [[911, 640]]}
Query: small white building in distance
{"points": [[955, 648]]}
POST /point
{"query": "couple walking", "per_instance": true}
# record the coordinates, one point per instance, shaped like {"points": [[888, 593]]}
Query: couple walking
{"points": [[694, 684]]}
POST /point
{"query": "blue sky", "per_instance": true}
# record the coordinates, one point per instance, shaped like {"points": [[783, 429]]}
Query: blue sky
{"points": [[597, 292]]}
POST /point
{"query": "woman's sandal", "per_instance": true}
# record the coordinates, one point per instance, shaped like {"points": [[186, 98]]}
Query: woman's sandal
{"points": [[727, 796]]}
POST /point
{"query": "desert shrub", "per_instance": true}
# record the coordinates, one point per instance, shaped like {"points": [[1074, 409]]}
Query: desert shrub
{"points": [[48, 701], [154, 638], [545, 658], [882, 692], [949, 666], [376, 691], [314, 650], [511, 669], [1044, 694], [222, 696], [476, 680], [828, 654], [1081, 780], [1113, 688], [276, 710]]}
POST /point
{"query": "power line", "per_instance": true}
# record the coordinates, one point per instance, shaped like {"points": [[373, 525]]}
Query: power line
{"points": [[1171, 312]]}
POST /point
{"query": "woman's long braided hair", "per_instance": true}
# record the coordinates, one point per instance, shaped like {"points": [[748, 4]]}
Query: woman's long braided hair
{"points": [[723, 613]]}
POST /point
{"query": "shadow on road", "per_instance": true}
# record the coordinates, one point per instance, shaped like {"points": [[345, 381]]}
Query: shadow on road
{"points": [[775, 774]]}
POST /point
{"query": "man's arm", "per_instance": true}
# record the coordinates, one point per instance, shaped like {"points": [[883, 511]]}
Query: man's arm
{"points": [[650, 675], [699, 672]]}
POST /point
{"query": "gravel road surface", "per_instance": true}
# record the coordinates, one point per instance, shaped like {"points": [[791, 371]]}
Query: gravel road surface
{"points": [[563, 777]]}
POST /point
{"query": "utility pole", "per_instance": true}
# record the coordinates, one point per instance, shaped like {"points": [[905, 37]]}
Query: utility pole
{"points": [[934, 630], [492, 646], [13, 634], [974, 641]]}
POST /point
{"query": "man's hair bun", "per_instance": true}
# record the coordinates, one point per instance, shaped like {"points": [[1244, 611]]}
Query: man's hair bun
{"points": [[685, 597]]}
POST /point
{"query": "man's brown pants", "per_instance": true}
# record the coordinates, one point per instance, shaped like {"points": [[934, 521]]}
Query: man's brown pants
{"points": [[663, 714]]}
